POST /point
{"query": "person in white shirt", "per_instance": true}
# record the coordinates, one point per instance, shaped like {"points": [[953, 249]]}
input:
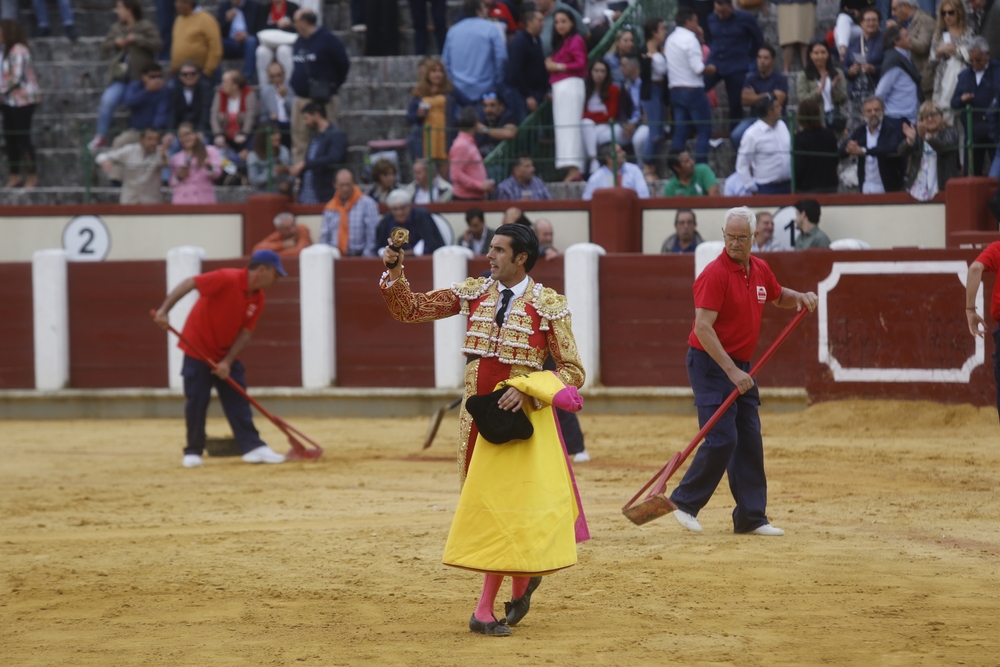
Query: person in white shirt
{"points": [[764, 162], [630, 176], [685, 67], [420, 189]]}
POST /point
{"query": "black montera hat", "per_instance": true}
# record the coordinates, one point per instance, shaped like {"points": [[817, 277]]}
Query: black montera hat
{"points": [[495, 424]]}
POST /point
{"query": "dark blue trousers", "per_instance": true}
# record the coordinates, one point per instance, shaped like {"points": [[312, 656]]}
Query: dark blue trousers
{"points": [[996, 364], [247, 51], [198, 383], [733, 446]]}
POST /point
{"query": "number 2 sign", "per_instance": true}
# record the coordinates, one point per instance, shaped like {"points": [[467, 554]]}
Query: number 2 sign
{"points": [[86, 239]]}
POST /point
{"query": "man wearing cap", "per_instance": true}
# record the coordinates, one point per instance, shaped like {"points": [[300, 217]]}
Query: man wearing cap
{"points": [[220, 325], [519, 514]]}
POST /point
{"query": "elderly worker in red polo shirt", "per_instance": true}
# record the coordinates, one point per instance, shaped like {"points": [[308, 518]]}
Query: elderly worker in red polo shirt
{"points": [[220, 325], [729, 298]]}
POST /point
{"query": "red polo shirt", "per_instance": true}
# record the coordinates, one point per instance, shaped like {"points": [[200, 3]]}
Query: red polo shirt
{"points": [[739, 299], [990, 258], [222, 311]]}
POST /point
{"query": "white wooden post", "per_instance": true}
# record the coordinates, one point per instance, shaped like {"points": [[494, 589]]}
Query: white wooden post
{"points": [[451, 265], [50, 300], [581, 266], [318, 308], [182, 263]]}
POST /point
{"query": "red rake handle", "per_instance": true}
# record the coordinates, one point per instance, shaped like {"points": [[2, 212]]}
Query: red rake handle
{"points": [[285, 427], [678, 459]]}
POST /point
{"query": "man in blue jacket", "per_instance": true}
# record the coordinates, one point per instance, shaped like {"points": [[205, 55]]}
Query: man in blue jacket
{"points": [[148, 100], [979, 87], [876, 145], [239, 21], [321, 66], [527, 79], [736, 37], [327, 150]]}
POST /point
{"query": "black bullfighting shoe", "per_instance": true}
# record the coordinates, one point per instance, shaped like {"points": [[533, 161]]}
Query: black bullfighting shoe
{"points": [[492, 629], [518, 609]]}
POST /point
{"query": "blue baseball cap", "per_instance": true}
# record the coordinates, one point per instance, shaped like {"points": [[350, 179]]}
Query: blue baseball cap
{"points": [[270, 258]]}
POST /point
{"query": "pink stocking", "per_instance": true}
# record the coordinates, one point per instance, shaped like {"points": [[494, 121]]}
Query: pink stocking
{"points": [[518, 586], [491, 586]]}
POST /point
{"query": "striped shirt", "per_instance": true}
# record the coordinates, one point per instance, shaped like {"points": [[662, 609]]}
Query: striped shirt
{"points": [[361, 224], [512, 189]]}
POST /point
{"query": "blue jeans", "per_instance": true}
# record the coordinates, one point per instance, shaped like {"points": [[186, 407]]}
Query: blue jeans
{"points": [[655, 114], [740, 130], [247, 50], [112, 97], [357, 12], [42, 12], [418, 10], [779, 188], [733, 446], [995, 166], [198, 383], [734, 91], [691, 106], [166, 13]]}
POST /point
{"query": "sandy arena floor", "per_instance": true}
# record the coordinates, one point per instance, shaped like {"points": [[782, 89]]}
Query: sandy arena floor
{"points": [[112, 554]]}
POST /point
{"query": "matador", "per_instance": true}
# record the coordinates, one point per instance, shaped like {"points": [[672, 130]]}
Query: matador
{"points": [[519, 513]]}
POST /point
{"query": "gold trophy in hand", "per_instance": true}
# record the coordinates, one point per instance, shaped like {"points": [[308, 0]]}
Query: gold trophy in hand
{"points": [[398, 237]]}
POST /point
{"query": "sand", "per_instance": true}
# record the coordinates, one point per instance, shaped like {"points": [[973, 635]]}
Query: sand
{"points": [[113, 554]]}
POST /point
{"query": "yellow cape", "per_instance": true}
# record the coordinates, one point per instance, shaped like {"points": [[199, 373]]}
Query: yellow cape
{"points": [[517, 510]]}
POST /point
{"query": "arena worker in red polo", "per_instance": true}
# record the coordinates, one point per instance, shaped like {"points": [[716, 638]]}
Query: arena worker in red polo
{"points": [[729, 298], [220, 325], [988, 260]]}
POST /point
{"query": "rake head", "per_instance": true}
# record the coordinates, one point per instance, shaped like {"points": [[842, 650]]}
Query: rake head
{"points": [[653, 507]]}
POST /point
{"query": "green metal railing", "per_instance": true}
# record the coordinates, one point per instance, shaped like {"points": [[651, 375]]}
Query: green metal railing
{"points": [[534, 135]]}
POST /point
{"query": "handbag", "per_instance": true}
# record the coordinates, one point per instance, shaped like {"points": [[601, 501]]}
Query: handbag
{"points": [[120, 68]]}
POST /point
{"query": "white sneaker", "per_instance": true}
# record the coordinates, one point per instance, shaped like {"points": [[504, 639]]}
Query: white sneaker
{"points": [[191, 461], [359, 27], [263, 454], [767, 529], [581, 457], [687, 521]]}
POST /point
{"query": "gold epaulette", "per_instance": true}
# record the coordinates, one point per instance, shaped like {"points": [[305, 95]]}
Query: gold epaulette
{"points": [[470, 289], [550, 304]]}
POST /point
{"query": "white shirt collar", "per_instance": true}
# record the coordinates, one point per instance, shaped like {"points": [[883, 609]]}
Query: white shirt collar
{"points": [[518, 289]]}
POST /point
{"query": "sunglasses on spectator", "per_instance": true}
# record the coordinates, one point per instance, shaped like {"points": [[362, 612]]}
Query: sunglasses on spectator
{"points": [[189, 73], [947, 12]]}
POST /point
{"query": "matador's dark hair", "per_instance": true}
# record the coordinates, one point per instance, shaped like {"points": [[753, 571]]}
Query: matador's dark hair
{"points": [[522, 239]]}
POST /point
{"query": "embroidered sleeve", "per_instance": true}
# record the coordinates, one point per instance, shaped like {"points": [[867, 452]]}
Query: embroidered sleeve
{"points": [[556, 321], [405, 306], [562, 347]]}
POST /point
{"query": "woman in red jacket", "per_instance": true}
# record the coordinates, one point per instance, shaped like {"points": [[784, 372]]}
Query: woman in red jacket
{"points": [[600, 109]]}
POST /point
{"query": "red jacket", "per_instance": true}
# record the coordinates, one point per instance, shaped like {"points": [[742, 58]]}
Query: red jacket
{"points": [[611, 104]]}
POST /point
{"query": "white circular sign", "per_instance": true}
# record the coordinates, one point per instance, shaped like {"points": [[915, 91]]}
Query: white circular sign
{"points": [[785, 232], [86, 239]]}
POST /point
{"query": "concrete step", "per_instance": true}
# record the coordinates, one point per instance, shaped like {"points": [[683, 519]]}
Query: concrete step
{"points": [[352, 97], [76, 72], [94, 19], [48, 196]]}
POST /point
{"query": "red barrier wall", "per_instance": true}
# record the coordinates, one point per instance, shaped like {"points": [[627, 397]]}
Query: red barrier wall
{"points": [[17, 351], [112, 340], [374, 350], [646, 310], [890, 321], [273, 357]]}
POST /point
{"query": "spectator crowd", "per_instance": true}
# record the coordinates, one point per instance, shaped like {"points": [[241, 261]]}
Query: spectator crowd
{"points": [[886, 101]]}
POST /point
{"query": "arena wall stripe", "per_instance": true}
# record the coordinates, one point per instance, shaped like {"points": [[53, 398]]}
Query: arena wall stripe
{"points": [[17, 353]]}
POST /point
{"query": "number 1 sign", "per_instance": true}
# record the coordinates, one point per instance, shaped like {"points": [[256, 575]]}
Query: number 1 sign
{"points": [[86, 239]]}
